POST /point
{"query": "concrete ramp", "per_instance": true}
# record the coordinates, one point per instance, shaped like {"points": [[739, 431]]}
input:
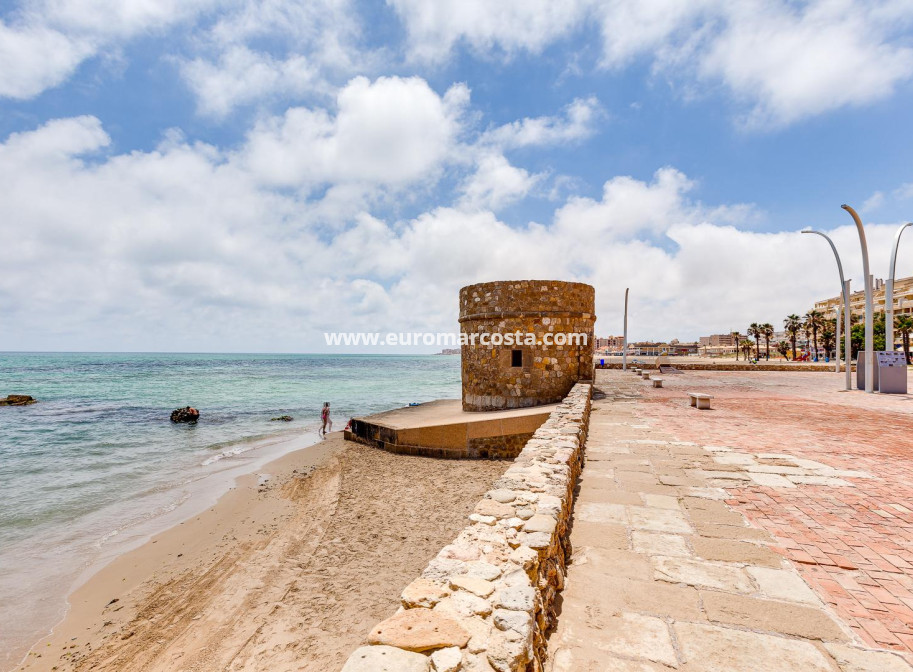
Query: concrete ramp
{"points": [[443, 429]]}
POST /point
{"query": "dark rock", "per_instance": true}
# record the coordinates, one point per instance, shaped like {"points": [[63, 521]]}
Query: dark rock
{"points": [[186, 414], [18, 400], [284, 418]]}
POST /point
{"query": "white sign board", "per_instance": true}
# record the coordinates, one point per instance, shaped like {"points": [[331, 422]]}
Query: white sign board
{"points": [[891, 359], [892, 372]]}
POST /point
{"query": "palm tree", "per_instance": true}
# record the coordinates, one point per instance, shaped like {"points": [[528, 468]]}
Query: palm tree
{"points": [[767, 330], [754, 330], [827, 338], [904, 324], [783, 349], [793, 325], [746, 348], [737, 339], [807, 328], [814, 320]]}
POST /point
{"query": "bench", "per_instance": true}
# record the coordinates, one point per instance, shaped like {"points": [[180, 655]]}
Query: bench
{"points": [[701, 401], [657, 382], [645, 375]]}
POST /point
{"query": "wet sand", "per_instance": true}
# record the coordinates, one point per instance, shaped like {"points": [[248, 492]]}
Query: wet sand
{"points": [[288, 573]]}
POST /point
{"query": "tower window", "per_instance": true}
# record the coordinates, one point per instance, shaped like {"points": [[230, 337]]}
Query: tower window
{"points": [[516, 358]]}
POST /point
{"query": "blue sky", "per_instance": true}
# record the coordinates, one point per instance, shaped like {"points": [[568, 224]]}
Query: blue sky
{"points": [[219, 175]]}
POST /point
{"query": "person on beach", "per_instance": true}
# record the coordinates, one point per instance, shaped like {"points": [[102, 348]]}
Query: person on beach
{"points": [[325, 419]]}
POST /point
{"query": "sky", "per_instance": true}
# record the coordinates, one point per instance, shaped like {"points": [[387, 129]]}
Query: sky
{"points": [[240, 176]]}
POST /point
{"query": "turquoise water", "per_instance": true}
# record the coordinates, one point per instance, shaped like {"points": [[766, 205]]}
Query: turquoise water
{"points": [[89, 469]]}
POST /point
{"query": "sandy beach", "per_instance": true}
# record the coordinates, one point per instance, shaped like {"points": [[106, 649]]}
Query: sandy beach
{"points": [[287, 572]]}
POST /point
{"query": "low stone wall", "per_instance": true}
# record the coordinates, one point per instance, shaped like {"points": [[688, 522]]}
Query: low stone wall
{"points": [[500, 438], [730, 366], [487, 599], [499, 447]]}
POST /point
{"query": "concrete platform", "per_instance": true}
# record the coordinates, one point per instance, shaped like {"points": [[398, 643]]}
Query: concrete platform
{"points": [[443, 429]]}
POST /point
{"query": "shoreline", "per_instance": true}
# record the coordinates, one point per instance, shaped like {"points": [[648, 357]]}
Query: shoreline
{"points": [[288, 570], [192, 498], [175, 548]]}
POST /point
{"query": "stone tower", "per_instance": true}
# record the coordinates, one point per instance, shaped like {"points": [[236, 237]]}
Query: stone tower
{"points": [[498, 376]]}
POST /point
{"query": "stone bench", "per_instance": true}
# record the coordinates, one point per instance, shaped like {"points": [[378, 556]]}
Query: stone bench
{"points": [[645, 375], [700, 400], [657, 382]]}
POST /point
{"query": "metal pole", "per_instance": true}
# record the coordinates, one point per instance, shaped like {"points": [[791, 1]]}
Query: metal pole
{"points": [[624, 351], [847, 330], [889, 292], [845, 289], [837, 342], [869, 310]]}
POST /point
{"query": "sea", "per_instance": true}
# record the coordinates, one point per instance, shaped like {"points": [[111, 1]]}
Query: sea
{"points": [[96, 467]]}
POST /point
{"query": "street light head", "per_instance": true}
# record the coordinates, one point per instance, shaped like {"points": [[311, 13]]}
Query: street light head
{"points": [[807, 229]]}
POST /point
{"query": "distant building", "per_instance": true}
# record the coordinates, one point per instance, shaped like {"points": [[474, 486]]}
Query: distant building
{"points": [[610, 343], [717, 344], [718, 340], [676, 348], [903, 301]]}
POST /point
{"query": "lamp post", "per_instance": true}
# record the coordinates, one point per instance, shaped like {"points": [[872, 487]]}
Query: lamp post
{"points": [[869, 356], [624, 351], [889, 292], [845, 290], [837, 342]]}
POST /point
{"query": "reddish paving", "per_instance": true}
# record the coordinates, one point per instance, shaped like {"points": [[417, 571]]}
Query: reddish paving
{"points": [[854, 545]]}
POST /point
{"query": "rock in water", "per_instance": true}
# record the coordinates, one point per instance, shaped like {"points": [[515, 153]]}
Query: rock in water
{"points": [[17, 400], [186, 414], [284, 418]]}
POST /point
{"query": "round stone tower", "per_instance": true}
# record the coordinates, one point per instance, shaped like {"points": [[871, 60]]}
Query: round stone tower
{"points": [[557, 316]]}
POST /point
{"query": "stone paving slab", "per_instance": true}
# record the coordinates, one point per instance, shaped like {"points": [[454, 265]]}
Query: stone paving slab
{"points": [[668, 575], [847, 525]]}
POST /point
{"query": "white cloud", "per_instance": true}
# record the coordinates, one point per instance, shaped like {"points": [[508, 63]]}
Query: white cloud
{"points": [[781, 61], [115, 18], [496, 183], [873, 202], [43, 43], [888, 200], [629, 207], [185, 247], [577, 124], [258, 51], [798, 63], [630, 29], [242, 76], [60, 139], [229, 52], [35, 58], [508, 25], [392, 131], [904, 191]]}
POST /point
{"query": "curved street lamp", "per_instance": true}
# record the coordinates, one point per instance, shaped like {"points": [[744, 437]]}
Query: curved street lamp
{"points": [[889, 292], [845, 291], [869, 311]]}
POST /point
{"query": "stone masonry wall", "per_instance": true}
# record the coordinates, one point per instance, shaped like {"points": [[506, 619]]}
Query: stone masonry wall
{"points": [[499, 447], [547, 372], [486, 601]]}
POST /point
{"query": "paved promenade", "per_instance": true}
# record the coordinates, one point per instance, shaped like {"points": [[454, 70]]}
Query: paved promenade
{"points": [[742, 539]]}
